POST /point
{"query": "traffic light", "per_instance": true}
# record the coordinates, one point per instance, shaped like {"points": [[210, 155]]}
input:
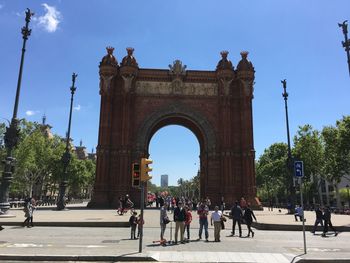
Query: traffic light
{"points": [[136, 175], [145, 169]]}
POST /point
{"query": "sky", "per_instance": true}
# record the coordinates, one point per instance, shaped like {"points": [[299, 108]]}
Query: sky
{"points": [[296, 40]]}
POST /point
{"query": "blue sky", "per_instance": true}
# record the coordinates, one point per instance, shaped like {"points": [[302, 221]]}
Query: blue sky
{"points": [[296, 40]]}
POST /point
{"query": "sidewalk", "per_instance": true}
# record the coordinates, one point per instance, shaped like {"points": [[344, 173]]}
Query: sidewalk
{"points": [[108, 240], [79, 215]]}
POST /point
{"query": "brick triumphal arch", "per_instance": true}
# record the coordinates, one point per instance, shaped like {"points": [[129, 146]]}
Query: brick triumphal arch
{"points": [[215, 105]]}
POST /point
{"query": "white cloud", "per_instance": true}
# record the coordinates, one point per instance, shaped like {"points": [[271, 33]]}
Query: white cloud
{"points": [[51, 19], [77, 108], [31, 112]]}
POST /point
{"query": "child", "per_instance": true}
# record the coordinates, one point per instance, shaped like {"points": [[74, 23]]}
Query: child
{"points": [[188, 221], [139, 225], [133, 224]]}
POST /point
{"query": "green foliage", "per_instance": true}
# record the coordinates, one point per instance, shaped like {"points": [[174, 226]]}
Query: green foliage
{"points": [[309, 149], [39, 167], [271, 172], [337, 150]]}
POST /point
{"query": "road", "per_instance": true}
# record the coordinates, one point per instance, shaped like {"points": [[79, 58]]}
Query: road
{"points": [[115, 241]]}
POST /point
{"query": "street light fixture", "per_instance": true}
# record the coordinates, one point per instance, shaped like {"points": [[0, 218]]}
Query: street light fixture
{"points": [[61, 204], [346, 43], [12, 132], [289, 158]]}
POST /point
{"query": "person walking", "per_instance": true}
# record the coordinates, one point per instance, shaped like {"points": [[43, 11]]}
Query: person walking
{"points": [[164, 220], [216, 217], [327, 222], [179, 218], [188, 222], [248, 217], [237, 214], [28, 209], [318, 220], [133, 225]]}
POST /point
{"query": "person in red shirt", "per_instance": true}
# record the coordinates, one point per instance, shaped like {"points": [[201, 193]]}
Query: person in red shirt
{"points": [[188, 221]]}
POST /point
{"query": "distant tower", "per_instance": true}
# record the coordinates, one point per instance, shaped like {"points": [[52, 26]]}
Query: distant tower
{"points": [[164, 180], [44, 119]]}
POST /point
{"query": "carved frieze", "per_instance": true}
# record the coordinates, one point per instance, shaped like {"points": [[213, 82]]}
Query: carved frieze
{"points": [[179, 88]]}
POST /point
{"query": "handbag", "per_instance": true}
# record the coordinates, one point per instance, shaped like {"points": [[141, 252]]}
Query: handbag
{"points": [[222, 224], [166, 220]]}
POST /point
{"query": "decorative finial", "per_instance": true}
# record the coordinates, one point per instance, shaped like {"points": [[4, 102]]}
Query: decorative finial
{"points": [[244, 54], [344, 26], [29, 14], [130, 50], [224, 53], [110, 50]]}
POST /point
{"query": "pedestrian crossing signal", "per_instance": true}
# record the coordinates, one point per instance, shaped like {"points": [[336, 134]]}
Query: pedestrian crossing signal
{"points": [[136, 175]]}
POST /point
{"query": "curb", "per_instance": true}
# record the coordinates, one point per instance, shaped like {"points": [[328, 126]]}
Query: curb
{"points": [[316, 260], [125, 258], [264, 226], [72, 224]]}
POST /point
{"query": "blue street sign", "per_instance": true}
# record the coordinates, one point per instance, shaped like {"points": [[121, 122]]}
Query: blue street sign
{"points": [[298, 169]]}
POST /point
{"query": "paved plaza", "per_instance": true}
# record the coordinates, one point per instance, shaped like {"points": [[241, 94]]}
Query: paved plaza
{"points": [[107, 242]]}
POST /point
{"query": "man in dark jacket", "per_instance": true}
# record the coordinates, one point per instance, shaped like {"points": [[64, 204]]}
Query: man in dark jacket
{"points": [[328, 222], [237, 214], [179, 218], [319, 219]]}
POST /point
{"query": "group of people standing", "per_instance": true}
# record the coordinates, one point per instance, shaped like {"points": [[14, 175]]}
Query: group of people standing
{"points": [[183, 217]]}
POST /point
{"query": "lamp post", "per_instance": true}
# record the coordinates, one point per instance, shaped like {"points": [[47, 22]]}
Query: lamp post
{"points": [[12, 132], [289, 158], [347, 190], [346, 43], [66, 156]]}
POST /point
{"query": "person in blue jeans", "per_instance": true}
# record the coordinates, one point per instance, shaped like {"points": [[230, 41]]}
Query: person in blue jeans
{"points": [[203, 212]]}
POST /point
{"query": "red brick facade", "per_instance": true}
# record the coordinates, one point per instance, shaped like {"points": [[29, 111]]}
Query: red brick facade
{"points": [[215, 105]]}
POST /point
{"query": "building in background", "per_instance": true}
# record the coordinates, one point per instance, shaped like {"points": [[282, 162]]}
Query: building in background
{"points": [[164, 180]]}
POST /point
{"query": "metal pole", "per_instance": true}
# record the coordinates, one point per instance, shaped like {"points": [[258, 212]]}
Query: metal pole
{"points": [[290, 158], [346, 43], [302, 205], [141, 215], [66, 156], [12, 132]]}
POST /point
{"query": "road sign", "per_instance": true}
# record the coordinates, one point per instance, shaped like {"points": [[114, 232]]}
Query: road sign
{"points": [[298, 169]]}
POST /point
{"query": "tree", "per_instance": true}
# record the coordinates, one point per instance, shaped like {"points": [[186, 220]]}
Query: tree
{"points": [[35, 156], [309, 149], [272, 174]]}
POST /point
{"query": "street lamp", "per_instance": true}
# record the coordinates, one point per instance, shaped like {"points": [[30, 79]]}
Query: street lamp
{"points": [[12, 132], [66, 156], [290, 158], [347, 190], [346, 43]]}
